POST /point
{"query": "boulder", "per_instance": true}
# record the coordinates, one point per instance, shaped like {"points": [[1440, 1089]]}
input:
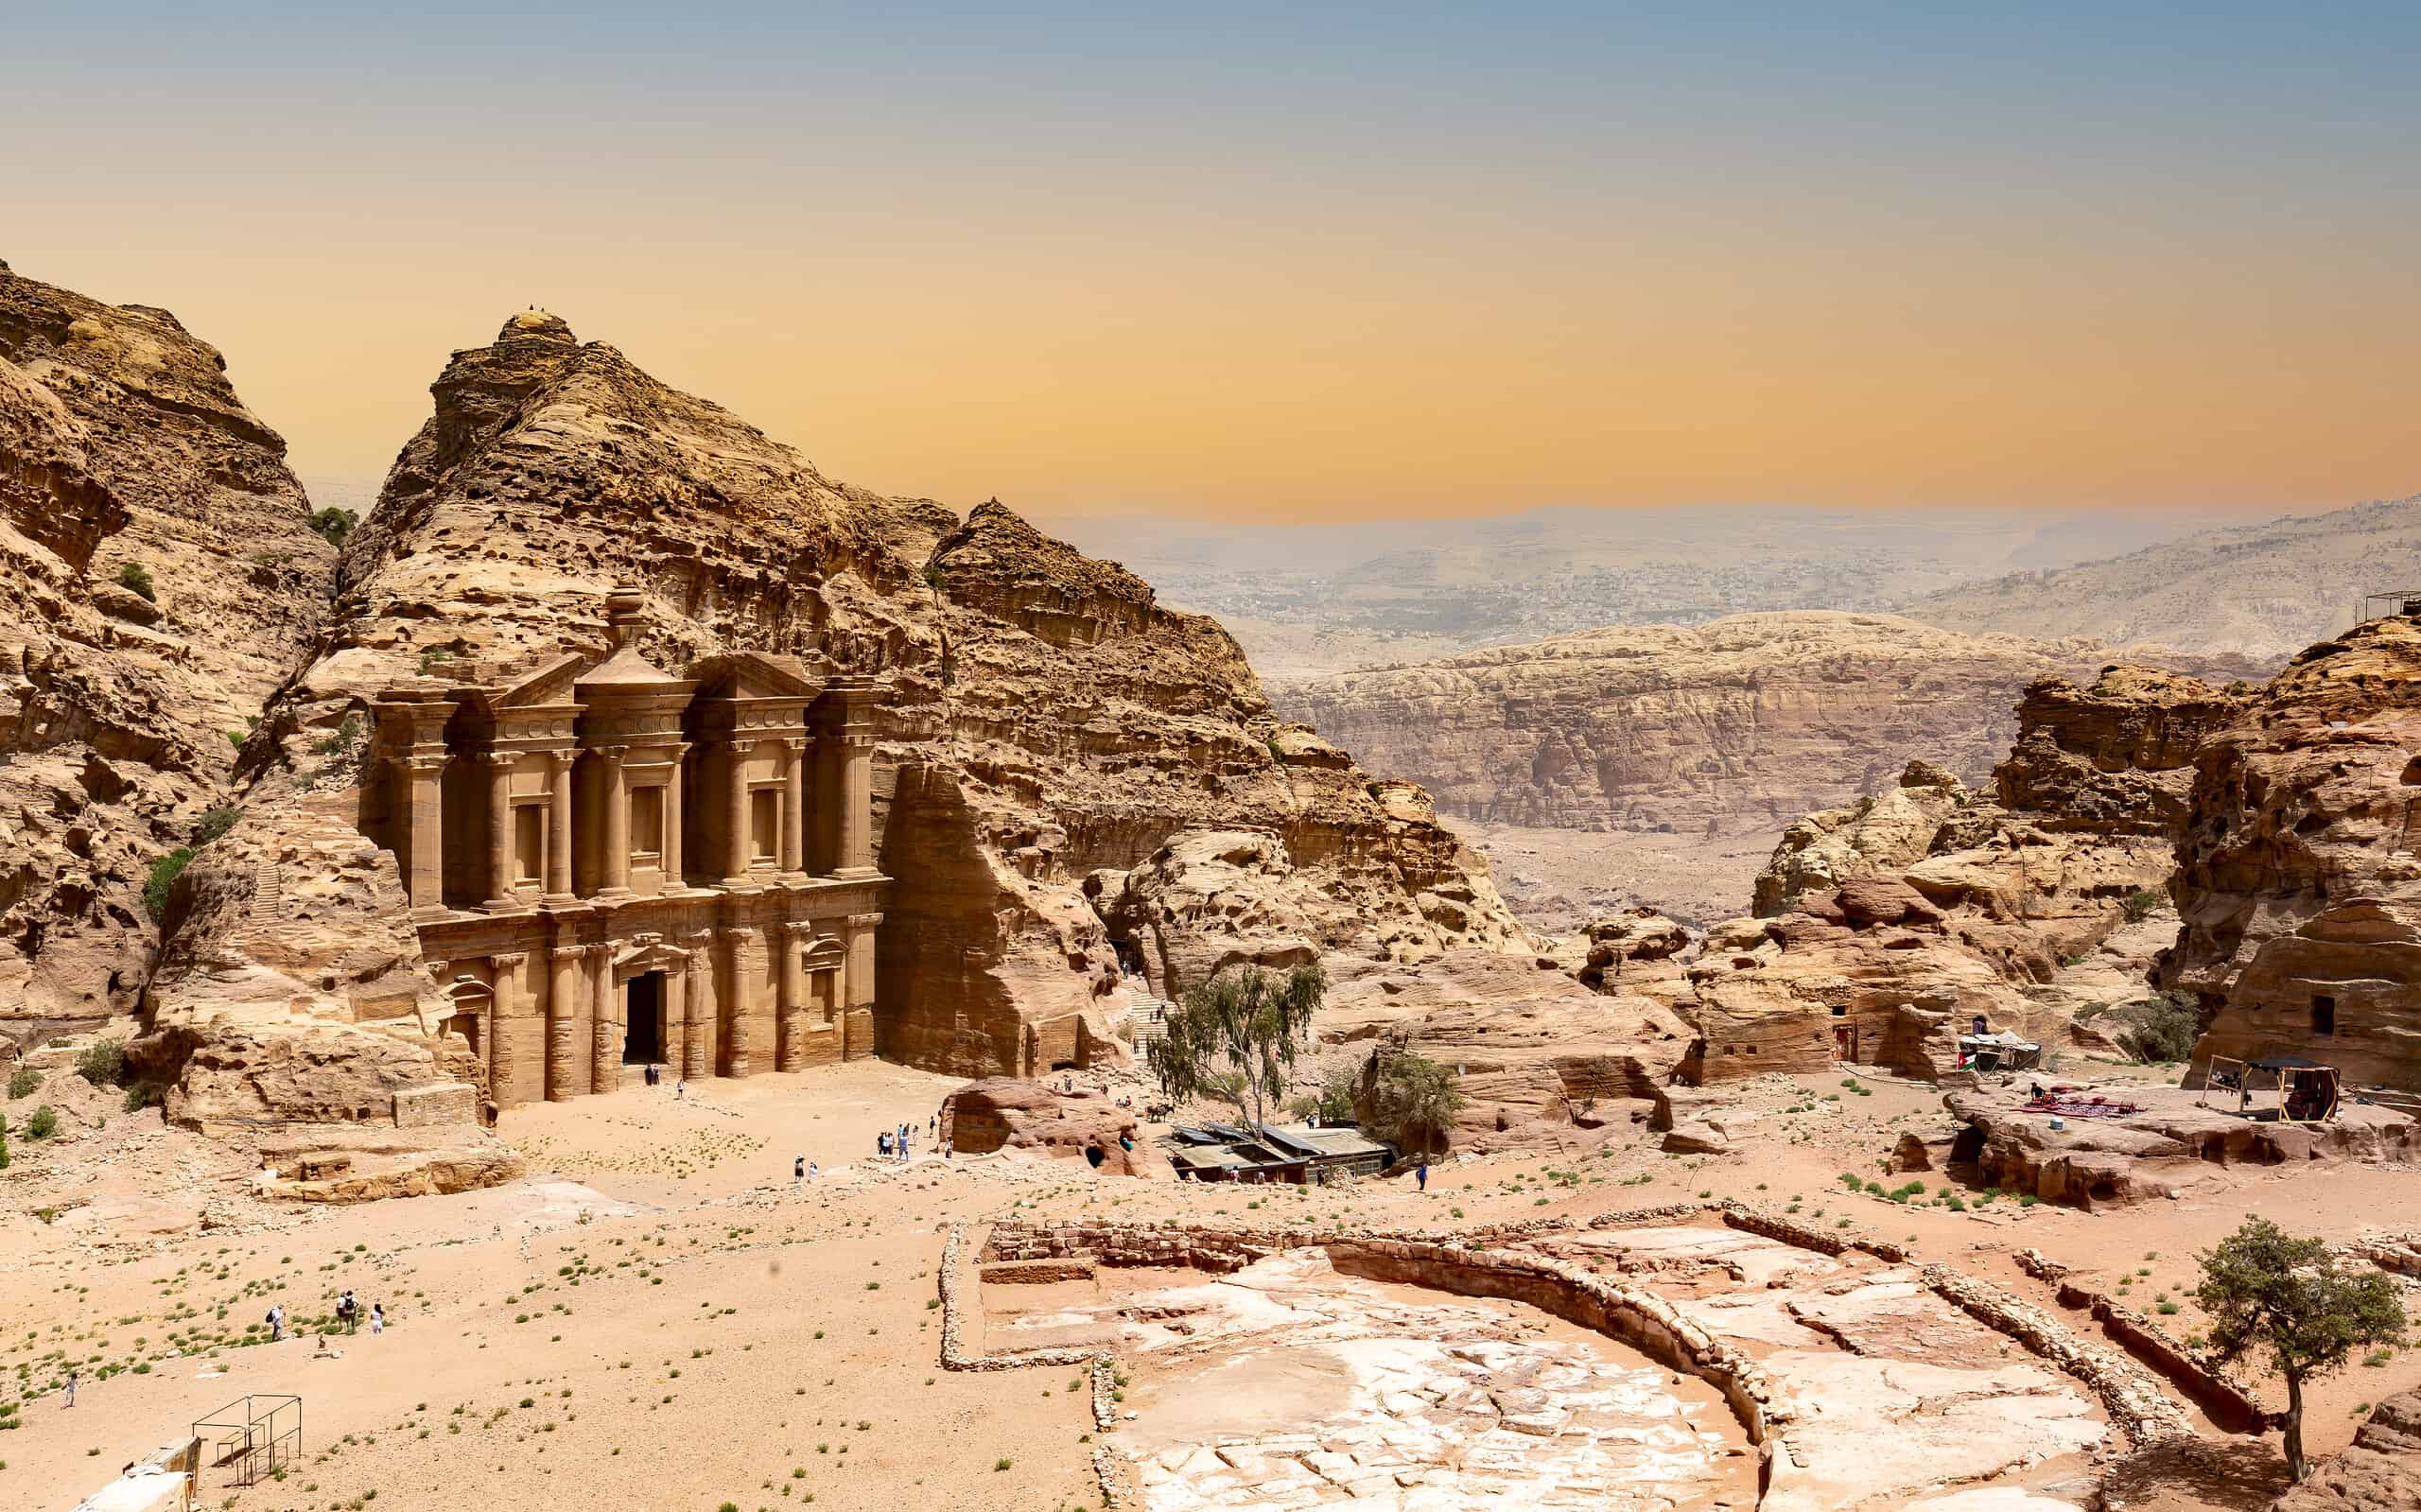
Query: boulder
{"points": [[1009, 1113]]}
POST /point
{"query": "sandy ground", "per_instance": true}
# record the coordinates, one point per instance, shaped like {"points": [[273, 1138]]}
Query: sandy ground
{"points": [[660, 1317]]}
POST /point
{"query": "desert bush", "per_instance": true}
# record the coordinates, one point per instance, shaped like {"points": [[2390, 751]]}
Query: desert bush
{"points": [[2140, 906], [2158, 1028], [103, 1064], [215, 822], [164, 872], [21, 1081], [43, 1124], [142, 1095], [136, 579], [334, 524]]}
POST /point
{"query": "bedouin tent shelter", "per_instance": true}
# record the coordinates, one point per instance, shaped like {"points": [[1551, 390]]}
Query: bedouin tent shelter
{"points": [[2302, 1091]]}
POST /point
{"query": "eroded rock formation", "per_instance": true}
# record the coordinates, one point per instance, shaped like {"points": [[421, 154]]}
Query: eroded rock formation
{"points": [[2296, 875], [158, 578], [1738, 725], [1046, 732], [1080, 1123], [1899, 922]]}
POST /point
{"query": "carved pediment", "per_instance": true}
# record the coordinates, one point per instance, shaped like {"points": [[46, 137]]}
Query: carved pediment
{"points": [[755, 674], [549, 683]]}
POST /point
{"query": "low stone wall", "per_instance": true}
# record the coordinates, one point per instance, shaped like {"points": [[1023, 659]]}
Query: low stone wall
{"points": [[1035, 1272], [1447, 1261], [2136, 1403], [1672, 1212], [2135, 1399], [1641, 1319], [955, 1305], [1219, 1248], [1740, 1215], [2222, 1401]]}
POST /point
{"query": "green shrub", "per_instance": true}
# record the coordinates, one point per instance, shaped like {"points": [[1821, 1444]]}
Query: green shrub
{"points": [[334, 524], [215, 822], [104, 1064], [4, 1165], [43, 1124], [136, 579], [142, 1095], [164, 872], [342, 739], [21, 1081], [2158, 1028], [2142, 905]]}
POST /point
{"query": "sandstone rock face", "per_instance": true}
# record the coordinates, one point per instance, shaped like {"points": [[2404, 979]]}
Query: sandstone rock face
{"points": [[1046, 731], [1537, 1051], [1903, 919], [2380, 1471], [2167, 1146], [122, 447], [2296, 877], [1008, 1113], [1737, 724]]}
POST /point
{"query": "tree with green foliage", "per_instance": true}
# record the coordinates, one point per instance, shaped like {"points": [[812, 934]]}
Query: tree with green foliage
{"points": [[1333, 1104], [1236, 1036], [42, 1123], [334, 524], [1413, 1103], [2269, 1294], [4, 1142], [136, 579]]}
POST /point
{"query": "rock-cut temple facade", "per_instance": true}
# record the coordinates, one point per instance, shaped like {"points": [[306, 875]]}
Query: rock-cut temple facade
{"points": [[610, 866]]}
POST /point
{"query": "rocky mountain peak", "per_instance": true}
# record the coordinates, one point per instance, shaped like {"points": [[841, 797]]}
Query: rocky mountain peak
{"points": [[535, 324]]}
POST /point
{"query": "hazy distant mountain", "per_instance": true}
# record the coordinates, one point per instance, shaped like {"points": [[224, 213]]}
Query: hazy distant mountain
{"points": [[2264, 591], [1306, 601]]}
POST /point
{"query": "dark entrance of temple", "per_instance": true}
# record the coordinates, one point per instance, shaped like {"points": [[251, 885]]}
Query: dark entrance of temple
{"points": [[643, 1020]]}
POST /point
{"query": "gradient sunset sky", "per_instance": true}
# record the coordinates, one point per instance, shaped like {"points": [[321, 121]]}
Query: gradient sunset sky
{"points": [[1298, 262]]}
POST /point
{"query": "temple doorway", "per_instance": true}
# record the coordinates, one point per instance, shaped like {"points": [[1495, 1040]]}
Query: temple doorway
{"points": [[643, 1020]]}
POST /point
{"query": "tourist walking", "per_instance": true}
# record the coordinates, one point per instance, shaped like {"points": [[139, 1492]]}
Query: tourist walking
{"points": [[277, 1322], [377, 1320], [882, 1146], [71, 1388], [799, 1169], [1421, 1173], [348, 1311], [680, 1088]]}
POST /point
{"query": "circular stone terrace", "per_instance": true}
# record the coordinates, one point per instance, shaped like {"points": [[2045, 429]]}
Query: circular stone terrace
{"points": [[1679, 1358]]}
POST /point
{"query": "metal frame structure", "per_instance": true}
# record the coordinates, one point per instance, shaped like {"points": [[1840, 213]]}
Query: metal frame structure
{"points": [[2291, 1078], [2390, 604], [252, 1436]]}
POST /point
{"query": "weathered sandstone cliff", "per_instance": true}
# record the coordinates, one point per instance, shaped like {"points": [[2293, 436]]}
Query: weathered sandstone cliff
{"points": [[1893, 924], [125, 458], [2296, 873], [1046, 731], [1739, 724]]}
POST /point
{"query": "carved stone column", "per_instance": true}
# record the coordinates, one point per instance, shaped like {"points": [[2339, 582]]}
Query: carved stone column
{"points": [[671, 843], [559, 764], [736, 846], [734, 1001], [697, 1039], [857, 980], [424, 770], [794, 809], [504, 1063], [856, 805], [499, 765], [617, 876], [676, 1015], [789, 1053], [566, 1071], [606, 1045]]}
